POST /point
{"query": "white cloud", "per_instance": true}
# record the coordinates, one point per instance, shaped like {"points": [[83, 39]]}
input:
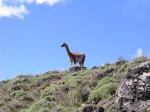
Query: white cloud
{"points": [[10, 8], [49, 2], [139, 53], [9, 11]]}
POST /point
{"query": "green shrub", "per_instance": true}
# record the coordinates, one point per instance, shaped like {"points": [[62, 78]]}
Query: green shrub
{"points": [[74, 81], [2, 103], [106, 80], [21, 79], [19, 93], [50, 76], [102, 92], [63, 108], [50, 90], [35, 82], [44, 110], [125, 68], [140, 60], [43, 105], [71, 98]]}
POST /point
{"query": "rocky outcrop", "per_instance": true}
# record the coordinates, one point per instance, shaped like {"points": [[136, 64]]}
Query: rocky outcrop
{"points": [[93, 108], [76, 68], [133, 94]]}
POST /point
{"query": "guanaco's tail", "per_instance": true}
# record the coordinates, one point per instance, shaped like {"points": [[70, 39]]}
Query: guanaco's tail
{"points": [[83, 59]]}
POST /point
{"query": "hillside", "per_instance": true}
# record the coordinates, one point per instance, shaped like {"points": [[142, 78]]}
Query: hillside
{"points": [[93, 90]]}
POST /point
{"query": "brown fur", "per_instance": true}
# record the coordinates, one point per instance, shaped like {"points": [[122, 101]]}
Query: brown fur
{"points": [[74, 57]]}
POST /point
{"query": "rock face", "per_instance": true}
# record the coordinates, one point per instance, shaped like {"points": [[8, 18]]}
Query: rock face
{"points": [[76, 68], [133, 94], [93, 108]]}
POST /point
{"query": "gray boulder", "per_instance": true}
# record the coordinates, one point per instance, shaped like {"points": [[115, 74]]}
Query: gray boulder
{"points": [[133, 94]]}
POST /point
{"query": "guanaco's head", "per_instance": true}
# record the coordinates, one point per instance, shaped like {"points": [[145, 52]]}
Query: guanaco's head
{"points": [[64, 44]]}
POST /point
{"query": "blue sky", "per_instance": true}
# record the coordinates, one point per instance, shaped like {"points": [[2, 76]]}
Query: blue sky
{"points": [[31, 32]]}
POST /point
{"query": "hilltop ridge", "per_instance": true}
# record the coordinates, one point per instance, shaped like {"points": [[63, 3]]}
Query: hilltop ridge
{"points": [[91, 90]]}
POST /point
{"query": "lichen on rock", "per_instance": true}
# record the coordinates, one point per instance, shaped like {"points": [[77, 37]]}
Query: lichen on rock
{"points": [[133, 94]]}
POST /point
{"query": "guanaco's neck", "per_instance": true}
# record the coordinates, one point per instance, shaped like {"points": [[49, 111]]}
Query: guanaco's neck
{"points": [[67, 49]]}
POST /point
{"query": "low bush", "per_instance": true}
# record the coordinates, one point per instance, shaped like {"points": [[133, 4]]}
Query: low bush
{"points": [[19, 93], [105, 91], [140, 60], [72, 98], [106, 80], [50, 90]]}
